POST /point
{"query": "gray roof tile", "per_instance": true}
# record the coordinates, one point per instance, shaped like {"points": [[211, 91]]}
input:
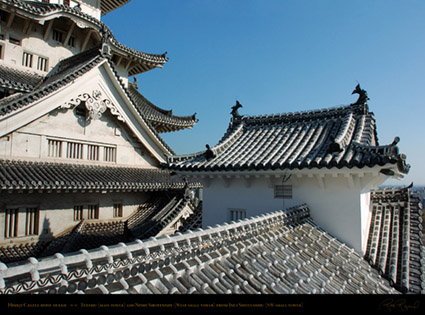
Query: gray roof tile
{"points": [[22, 81], [394, 245], [28, 175], [263, 254]]}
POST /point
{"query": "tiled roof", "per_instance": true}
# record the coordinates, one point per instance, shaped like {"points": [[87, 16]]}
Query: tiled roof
{"points": [[282, 252], [394, 246], [335, 137], [40, 9], [27, 176], [21, 81], [17, 252], [110, 5], [162, 120]]}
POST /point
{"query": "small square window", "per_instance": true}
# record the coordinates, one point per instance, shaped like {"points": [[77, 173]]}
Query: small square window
{"points": [[42, 64], [27, 59], [237, 214], [93, 212], [57, 36], [117, 210], [78, 213], [283, 191]]}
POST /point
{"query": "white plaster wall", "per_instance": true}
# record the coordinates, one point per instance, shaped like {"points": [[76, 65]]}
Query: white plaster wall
{"points": [[35, 44], [31, 141], [256, 200], [33, 41], [341, 208], [57, 209]]}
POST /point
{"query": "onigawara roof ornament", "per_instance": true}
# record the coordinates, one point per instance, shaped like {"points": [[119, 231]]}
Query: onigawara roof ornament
{"points": [[235, 108], [209, 154], [363, 98]]}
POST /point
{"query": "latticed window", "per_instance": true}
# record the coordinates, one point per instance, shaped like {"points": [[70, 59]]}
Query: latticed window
{"points": [[11, 223], [74, 150], [54, 148], [92, 152], [42, 64], [71, 41], [78, 213], [109, 154], [283, 191], [27, 59], [93, 212], [237, 214], [117, 210], [32, 221], [57, 36]]}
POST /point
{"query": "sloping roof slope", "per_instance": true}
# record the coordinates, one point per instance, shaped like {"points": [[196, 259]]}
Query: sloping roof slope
{"points": [[334, 137], [107, 6], [162, 120], [282, 252], [22, 81], [395, 247], [26, 175]]}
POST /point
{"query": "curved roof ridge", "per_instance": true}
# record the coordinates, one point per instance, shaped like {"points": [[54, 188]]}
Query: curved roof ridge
{"points": [[327, 112], [159, 115], [223, 144]]}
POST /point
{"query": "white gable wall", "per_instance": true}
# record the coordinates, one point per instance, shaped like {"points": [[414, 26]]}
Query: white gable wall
{"points": [[31, 141], [100, 79]]}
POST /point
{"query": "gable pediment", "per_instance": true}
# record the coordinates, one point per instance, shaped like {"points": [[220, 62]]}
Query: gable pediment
{"points": [[99, 91]]}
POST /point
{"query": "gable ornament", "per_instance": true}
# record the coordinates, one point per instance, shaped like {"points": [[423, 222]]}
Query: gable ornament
{"points": [[95, 104]]}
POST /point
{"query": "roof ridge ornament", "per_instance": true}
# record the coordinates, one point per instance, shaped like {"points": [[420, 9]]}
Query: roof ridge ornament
{"points": [[209, 153], [363, 97], [235, 112], [105, 34]]}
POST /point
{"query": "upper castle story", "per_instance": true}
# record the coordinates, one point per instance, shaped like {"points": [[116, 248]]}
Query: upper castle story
{"points": [[36, 35]]}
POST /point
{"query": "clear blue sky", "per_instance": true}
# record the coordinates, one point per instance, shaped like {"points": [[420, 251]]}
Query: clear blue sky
{"points": [[278, 56]]}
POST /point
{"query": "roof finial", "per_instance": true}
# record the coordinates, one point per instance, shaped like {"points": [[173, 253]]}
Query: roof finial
{"points": [[105, 49], [363, 98], [209, 153], [235, 108]]}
